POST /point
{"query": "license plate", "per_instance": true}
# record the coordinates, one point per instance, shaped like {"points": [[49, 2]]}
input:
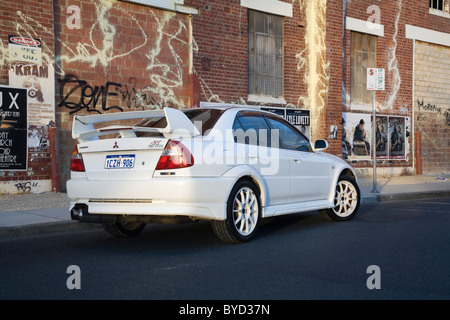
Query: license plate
{"points": [[119, 161]]}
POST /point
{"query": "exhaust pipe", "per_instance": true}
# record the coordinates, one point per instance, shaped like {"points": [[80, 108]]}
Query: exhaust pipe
{"points": [[81, 213], [78, 211]]}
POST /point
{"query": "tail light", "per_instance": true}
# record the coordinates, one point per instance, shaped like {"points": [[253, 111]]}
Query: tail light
{"points": [[175, 156], [76, 163]]}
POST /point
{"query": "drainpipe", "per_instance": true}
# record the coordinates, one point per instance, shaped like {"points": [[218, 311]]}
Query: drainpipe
{"points": [[418, 152], [54, 161]]}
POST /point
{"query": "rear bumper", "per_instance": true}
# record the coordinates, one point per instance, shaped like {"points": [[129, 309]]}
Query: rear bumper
{"points": [[196, 197]]}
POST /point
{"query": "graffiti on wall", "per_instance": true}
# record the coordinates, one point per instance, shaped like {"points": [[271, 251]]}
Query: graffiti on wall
{"points": [[164, 77], [393, 72], [28, 27], [393, 76], [426, 108], [26, 186], [163, 72], [312, 60], [77, 95], [99, 50], [433, 122]]}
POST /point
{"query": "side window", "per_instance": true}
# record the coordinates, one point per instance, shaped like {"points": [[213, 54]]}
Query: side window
{"points": [[251, 128], [289, 138]]}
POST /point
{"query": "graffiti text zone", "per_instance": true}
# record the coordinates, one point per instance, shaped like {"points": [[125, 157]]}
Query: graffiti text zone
{"points": [[78, 95]]}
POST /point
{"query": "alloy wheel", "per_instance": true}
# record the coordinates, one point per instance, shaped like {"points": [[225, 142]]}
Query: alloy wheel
{"points": [[245, 211], [346, 199]]}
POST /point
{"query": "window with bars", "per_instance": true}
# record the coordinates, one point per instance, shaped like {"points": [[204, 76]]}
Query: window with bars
{"points": [[363, 56], [442, 5], [265, 54]]}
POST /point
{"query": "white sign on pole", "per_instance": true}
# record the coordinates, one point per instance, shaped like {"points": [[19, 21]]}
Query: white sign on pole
{"points": [[375, 79]]}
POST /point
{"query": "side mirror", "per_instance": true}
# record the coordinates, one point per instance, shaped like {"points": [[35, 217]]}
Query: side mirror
{"points": [[320, 145]]}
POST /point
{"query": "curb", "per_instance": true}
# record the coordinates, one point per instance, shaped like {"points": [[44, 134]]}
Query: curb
{"points": [[43, 228], [377, 198]]}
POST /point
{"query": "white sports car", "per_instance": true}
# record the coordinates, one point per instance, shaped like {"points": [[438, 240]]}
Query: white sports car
{"points": [[231, 165]]}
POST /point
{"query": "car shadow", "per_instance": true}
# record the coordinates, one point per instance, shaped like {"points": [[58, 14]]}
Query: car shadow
{"points": [[188, 237], [280, 225]]}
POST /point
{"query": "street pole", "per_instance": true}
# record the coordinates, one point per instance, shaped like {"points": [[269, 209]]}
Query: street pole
{"points": [[374, 141]]}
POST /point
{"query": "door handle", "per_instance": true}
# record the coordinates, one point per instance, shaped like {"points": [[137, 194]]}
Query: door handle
{"points": [[297, 160]]}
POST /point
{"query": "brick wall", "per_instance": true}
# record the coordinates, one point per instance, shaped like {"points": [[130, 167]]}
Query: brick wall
{"points": [[312, 58], [116, 56], [395, 54], [123, 57], [431, 91], [432, 105], [220, 61], [335, 47], [108, 56], [29, 19], [220, 55], [221, 58], [215, 57]]}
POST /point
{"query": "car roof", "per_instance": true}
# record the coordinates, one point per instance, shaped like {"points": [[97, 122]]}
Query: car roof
{"points": [[234, 107]]}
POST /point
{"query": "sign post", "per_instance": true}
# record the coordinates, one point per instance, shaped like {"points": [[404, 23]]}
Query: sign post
{"points": [[375, 81]]}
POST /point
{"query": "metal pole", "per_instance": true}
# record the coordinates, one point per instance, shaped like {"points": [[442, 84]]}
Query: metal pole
{"points": [[374, 141]]}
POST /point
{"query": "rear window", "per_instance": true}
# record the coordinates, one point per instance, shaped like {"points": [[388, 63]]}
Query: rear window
{"points": [[203, 119]]}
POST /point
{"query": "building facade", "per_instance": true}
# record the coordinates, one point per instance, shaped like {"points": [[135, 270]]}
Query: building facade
{"points": [[97, 56]]}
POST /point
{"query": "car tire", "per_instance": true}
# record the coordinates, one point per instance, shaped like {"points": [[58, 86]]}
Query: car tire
{"points": [[243, 214], [347, 199], [124, 230]]}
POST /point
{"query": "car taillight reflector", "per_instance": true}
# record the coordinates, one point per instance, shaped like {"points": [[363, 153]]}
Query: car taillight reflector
{"points": [[176, 155], [76, 163]]}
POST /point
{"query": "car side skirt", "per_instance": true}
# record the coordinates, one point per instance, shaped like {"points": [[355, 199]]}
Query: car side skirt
{"points": [[297, 207]]}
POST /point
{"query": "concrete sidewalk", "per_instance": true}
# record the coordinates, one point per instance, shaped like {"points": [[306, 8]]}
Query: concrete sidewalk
{"points": [[405, 187], [27, 214]]}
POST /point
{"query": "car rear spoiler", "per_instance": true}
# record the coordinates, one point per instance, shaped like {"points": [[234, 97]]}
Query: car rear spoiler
{"points": [[83, 126]]}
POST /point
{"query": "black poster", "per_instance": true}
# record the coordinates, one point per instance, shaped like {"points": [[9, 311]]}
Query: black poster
{"points": [[13, 129], [279, 111], [301, 119]]}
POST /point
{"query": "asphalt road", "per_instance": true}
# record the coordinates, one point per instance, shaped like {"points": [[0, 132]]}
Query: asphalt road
{"points": [[300, 256]]}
